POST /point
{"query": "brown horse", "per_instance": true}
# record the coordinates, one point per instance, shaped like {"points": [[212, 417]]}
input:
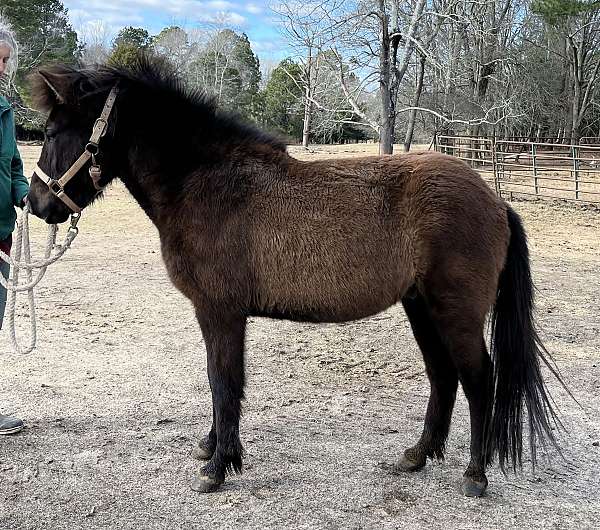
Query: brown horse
{"points": [[246, 230]]}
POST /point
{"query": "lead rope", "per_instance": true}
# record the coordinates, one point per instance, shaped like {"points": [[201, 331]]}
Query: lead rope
{"points": [[22, 247]]}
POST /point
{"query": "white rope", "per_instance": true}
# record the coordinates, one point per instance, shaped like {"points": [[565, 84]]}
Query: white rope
{"points": [[21, 249]]}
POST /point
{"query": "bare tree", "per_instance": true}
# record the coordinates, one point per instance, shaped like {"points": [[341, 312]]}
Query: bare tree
{"points": [[211, 67], [376, 41], [468, 49], [410, 129], [96, 40], [305, 25], [173, 43], [584, 61], [382, 41]]}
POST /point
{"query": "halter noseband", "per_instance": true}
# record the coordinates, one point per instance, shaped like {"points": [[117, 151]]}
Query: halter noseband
{"points": [[57, 186]]}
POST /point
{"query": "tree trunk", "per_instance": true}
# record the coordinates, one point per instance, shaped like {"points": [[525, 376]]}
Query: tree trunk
{"points": [[386, 131], [576, 70], [307, 119], [413, 113], [308, 104], [575, 126], [386, 137]]}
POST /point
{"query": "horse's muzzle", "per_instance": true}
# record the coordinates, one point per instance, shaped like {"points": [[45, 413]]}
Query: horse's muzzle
{"points": [[41, 203], [44, 213]]}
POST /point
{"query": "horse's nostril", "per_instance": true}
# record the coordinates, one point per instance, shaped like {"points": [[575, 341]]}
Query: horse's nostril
{"points": [[36, 206]]}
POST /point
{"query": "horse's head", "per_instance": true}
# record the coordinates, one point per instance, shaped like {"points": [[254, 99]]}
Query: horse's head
{"points": [[75, 163]]}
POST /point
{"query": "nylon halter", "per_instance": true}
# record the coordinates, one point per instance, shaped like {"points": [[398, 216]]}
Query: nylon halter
{"points": [[57, 186]]}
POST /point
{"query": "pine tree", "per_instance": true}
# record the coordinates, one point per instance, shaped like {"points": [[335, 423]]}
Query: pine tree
{"points": [[555, 11], [43, 32], [283, 111], [44, 36], [128, 45]]}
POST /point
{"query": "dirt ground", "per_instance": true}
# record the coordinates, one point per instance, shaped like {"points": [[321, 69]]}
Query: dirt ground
{"points": [[116, 394]]}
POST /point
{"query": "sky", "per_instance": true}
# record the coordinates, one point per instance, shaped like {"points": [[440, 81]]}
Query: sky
{"points": [[252, 17]]}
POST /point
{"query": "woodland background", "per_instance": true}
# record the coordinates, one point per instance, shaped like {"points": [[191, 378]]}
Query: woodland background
{"points": [[391, 71]]}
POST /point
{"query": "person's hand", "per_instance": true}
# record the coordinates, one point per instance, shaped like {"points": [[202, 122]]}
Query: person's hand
{"points": [[23, 201]]}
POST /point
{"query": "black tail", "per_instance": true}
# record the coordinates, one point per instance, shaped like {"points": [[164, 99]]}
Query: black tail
{"points": [[516, 351]]}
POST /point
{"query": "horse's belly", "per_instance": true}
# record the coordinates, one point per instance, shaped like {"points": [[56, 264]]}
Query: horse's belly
{"points": [[331, 297]]}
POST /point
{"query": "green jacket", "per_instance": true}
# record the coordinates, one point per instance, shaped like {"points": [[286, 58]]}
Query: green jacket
{"points": [[13, 184]]}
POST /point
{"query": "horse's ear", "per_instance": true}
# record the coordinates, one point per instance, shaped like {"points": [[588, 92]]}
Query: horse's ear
{"points": [[58, 83], [54, 85]]}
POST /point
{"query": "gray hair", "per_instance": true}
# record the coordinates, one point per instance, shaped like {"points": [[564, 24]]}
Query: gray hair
{"points": [[7, 38]]}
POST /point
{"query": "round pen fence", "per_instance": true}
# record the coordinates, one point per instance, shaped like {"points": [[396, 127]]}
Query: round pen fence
{"points": [[524, 168]]}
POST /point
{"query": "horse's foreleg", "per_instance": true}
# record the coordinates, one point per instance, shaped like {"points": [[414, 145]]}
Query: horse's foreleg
{"points": [[224, 339]]}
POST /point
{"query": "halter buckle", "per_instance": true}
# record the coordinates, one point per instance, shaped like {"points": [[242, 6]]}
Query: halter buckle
{"points": [[55, 187], [100, 126]]}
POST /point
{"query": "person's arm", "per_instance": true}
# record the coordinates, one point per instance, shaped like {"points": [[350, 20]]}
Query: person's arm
{"points": [[20, 186]]}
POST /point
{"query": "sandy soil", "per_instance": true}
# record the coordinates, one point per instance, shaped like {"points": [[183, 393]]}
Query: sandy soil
{"points": [[116, 393]]}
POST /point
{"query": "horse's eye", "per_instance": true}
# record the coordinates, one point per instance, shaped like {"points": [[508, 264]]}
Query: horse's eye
{"points": [[50, 133]]}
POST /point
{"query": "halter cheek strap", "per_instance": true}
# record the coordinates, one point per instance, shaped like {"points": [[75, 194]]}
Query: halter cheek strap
{"points": [[57, 186]]}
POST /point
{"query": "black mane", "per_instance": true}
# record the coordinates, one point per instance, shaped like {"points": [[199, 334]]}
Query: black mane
{"points": [[154, 79]]}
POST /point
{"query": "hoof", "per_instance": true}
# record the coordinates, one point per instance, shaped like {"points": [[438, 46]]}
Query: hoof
{"points": [[408, 463], [474, 488], [206, 483], [204, 450]]}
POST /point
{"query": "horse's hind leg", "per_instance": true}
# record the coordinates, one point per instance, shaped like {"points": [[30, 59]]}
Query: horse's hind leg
{"points": [[207, 444], [475, 371], [224, 338], [460, 319], [443, 379]]}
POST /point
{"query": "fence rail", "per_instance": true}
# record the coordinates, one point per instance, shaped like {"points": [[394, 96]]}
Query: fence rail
{"points": [[523, 168]]}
